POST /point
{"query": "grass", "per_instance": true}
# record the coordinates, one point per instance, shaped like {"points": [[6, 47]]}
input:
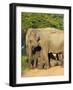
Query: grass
{"points": [[24, 63]]}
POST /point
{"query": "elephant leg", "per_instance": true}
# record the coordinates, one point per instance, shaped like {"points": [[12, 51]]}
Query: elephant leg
{"points": [[47, 63], [49, 59], [57, 56], [60, 56], [39, 66], [34, 64], [62, 61], [35, 59]]}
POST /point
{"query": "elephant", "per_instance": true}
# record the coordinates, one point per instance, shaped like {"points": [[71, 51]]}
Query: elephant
{"points": [[49, 39], [56, 59], [61, 58], [42, 63], [36, 54], [57, 56]]}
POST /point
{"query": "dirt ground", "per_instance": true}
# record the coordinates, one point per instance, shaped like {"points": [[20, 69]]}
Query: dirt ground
{"points": [[53, 71]]}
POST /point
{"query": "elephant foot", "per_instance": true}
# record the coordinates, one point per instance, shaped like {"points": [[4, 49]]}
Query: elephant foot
{"points": [[46, 67], [62, 63], [54, 63], [34, 67]]}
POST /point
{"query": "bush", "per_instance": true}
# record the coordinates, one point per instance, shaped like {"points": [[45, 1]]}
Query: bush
{"points": [[36, 20]]}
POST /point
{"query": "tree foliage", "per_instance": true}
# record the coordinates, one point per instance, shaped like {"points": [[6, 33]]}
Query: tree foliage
{"points": [[39, 20]]}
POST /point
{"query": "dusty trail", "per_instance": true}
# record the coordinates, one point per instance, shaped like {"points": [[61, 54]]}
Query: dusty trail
{"points": [[53, 71]]}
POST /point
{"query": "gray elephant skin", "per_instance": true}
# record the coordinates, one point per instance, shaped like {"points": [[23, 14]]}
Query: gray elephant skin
{"points": [[49, 39]]}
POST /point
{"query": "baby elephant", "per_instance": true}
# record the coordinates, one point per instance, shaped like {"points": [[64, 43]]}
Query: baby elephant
{"points": [[35, 55], [39, 60], [56, 59]]}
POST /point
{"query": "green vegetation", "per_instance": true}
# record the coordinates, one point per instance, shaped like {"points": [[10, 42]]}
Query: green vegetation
{"points": [[24, 63], [37, 20]]}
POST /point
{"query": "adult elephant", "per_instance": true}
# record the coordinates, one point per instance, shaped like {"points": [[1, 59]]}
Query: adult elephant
{"points": [[49, 39]]}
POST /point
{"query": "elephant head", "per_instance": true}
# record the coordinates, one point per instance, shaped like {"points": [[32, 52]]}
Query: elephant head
{"points": [[32, 39]]}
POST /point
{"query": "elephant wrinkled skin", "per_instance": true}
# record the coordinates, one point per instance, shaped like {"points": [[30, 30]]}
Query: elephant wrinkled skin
{"points": [[49, 39]]}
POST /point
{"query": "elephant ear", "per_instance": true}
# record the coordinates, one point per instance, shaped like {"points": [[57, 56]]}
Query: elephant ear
{"points": [[35, 35]]}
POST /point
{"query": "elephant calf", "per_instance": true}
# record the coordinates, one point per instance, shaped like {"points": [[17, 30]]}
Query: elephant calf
{"points": [[35, 54], [39, 60], [56, 59]]}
